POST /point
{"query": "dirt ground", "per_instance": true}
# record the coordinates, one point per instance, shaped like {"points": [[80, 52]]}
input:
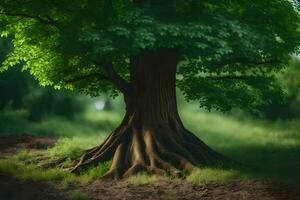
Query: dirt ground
{"points": [[13, 189]]}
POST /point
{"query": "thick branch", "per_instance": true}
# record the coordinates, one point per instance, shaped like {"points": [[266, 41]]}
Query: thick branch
{"points": [[114, 77]]}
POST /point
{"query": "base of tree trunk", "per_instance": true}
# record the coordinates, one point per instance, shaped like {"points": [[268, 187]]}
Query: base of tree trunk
{"points": [[167, 149]]}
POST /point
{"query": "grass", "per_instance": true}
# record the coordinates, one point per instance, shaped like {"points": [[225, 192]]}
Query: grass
{"points": [[22, 171], [270, 150], [78, 195], [205, 175], [74, 146], [19, 167], [142, 178], [94, 173], [89, 123], [24, 155]]}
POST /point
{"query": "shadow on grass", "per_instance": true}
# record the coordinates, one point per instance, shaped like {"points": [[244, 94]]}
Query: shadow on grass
{"points": [[274, 163]]}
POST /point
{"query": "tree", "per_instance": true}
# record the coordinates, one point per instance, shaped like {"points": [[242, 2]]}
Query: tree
{"points": [[223, 53], [13, 85], [290, 80]]}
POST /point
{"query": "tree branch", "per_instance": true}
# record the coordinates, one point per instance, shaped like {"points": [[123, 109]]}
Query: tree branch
{"points": [[115, 78]]}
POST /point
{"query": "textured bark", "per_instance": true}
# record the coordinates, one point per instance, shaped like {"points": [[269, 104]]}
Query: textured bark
{"points": [[151, 136]]}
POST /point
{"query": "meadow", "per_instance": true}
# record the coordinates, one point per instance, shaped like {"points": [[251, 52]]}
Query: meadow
{"points": [[267, 150]]}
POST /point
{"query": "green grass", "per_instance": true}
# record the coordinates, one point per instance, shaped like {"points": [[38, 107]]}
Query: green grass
{"points": [[23, 171], [88, 124], [205, 175], [74, 146], [142, 178], [269, 150], [24, 155], [78, 195], [31, 171], [94, 173]]}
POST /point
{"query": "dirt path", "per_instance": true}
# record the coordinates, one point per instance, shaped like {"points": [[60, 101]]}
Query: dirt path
{"points": [[13, 189]]}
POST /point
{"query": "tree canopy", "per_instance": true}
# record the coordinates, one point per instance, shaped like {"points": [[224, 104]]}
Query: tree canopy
{"points": [[230, 50]]}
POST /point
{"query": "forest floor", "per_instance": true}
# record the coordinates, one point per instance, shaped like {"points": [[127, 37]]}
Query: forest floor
{"points": [[12, 188]]}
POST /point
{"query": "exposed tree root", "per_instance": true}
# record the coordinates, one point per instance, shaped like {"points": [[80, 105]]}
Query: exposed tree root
{"points": [[54, 163], [160, 151]]}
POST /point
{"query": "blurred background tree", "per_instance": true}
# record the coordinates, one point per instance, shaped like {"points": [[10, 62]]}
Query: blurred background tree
{"points": [[291, 81], [19, 90]]}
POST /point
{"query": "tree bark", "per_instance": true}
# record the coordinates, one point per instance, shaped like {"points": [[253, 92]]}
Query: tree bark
{"points": [[151, 136]]}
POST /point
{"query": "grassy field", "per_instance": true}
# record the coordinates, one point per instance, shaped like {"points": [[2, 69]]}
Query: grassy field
{"points": [[267, 150]]}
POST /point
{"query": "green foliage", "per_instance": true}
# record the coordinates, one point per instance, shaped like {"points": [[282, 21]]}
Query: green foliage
{"points": [[61, 41], [290, 79], [45, 101], [19, 91]]}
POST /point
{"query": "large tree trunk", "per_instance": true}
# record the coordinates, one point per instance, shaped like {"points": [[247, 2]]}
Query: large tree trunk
{"points": [[151, 136]]}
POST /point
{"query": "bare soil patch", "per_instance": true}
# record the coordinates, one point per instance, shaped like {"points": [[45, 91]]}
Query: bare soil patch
{"points": [[13, 189], [11, 144], [168, 190]]}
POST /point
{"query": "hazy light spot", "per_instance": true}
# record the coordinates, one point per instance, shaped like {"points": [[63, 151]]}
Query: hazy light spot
{"points": [[100, 105]]}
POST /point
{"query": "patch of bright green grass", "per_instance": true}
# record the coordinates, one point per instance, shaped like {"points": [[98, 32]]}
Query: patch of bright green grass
{"points": [[74, 146], [94, 172], [78, 195], [24, 172], [23, 155], [142, 178], [202, 176]]}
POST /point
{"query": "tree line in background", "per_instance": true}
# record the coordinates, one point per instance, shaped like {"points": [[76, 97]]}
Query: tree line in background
{"points": [[18, 90]]}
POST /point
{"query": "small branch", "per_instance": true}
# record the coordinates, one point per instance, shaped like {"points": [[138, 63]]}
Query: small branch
{"points": [[85, 77]]}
